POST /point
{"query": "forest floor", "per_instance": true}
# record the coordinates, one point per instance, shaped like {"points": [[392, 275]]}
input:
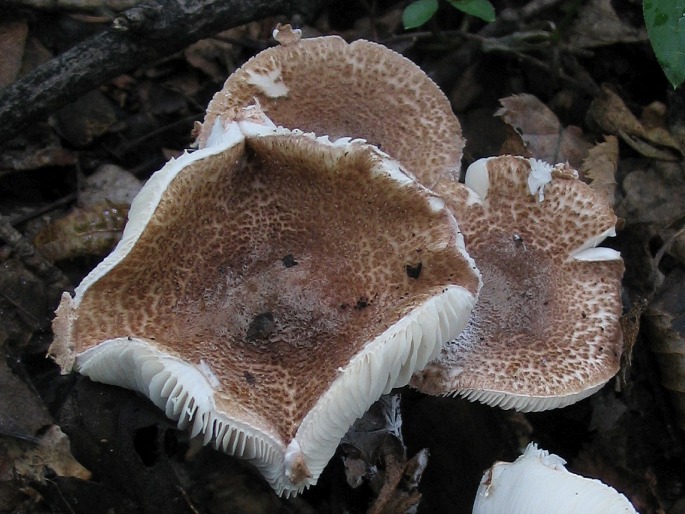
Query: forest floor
{"points": [[588, 91]]}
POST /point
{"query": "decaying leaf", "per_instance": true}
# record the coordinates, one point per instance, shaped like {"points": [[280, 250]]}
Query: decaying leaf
{"points": [[630, 326], [29, 441], [96, 225], [654, 119], [666, 336], [26, 307], [52, 451], [375, 453], [650, 139], [23, 414], [541, 132], [86, 119], [677, 249], [654, 192], [367, 438], [109, 183], [92, 230], [12, 40], [598, 24], [209, 56], [399, 493], [34, 149], [600, 167]]}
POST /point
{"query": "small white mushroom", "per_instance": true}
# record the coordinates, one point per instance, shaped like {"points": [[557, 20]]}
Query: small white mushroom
{"points": [[538, 482]]}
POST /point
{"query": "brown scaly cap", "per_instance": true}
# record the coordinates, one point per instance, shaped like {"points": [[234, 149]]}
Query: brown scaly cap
{"points": [[360, 90], [267, 289], [545, 331]]}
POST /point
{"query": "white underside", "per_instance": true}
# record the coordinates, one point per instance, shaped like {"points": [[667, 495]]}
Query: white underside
{"points": [[538, 482], [387, 362], [186, 393], [524, 403]]}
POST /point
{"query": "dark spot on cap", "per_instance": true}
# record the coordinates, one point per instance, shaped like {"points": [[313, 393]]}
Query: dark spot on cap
{"points": [[289, 261], [249, 378], [413, 270], [261, 327], [362, 303]]}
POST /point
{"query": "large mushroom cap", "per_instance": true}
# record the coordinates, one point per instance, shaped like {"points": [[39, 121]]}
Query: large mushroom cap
{"points": [[538, 482], [360, 90], [545, 331], [267, 289]]}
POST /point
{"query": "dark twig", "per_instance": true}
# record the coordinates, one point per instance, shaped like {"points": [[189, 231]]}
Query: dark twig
{"points": [[153, 29]]}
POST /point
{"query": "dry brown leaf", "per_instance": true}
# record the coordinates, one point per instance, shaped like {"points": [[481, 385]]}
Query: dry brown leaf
{"points": [[513, 144], [598, 24], [399, 493], [12, 40], [93, 230], [541, 132], [52, 451], [630, 326], [209, 56], [29, 441], [653, 192], [109, 183], [36, 150], [86, 119], [654, 120], [23, 414], [611, 114], [600, 167], [35, 54], [666, 337]]}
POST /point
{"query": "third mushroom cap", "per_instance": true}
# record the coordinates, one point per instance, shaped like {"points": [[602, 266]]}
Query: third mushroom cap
{"points": [[545, 332]]}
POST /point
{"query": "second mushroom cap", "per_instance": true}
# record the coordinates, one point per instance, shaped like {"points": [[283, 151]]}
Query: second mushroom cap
{"points": [[360, 90]]}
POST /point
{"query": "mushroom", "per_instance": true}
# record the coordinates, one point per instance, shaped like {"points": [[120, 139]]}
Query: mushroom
{"points": [[360, 90], [545, 331], [261, 295], [538, 482]]}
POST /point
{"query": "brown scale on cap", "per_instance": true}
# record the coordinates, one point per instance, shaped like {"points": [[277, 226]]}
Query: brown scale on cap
{"points": [[206, 282], [359, 90], [545, 330]]}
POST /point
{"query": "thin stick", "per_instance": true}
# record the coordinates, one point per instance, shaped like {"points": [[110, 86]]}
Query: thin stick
{"points": [[153, 29]]}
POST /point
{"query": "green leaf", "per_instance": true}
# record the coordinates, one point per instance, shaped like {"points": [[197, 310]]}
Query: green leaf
{"points": [[419, 12], [482, 9], [665, 20]]}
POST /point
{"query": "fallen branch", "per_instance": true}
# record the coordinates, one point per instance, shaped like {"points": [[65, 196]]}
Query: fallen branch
{"points": [[151, 30]]}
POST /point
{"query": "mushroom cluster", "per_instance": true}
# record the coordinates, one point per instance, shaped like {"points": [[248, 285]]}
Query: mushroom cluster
{"points": [[309, 257]]}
